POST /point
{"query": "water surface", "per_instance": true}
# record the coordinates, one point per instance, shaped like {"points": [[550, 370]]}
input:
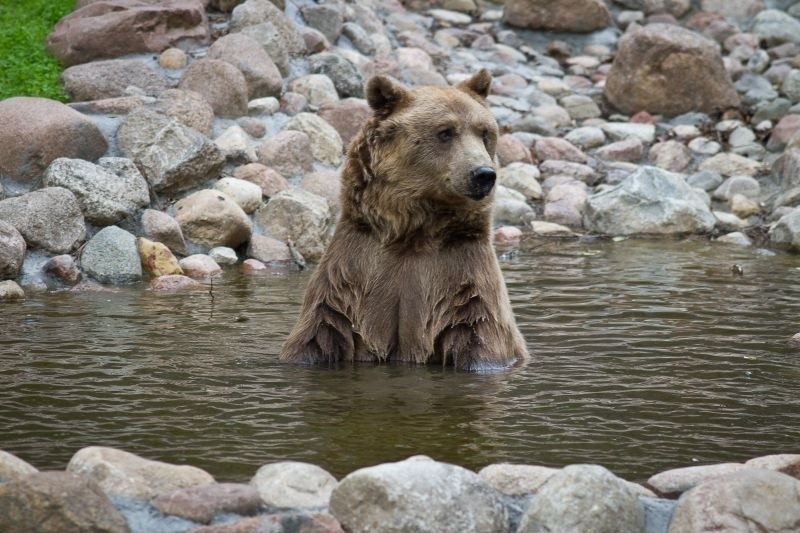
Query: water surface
{"points": [[646, 355]]}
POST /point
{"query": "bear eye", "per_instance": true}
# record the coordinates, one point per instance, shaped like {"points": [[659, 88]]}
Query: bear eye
{"points": [[485, 136], [446, 135]]}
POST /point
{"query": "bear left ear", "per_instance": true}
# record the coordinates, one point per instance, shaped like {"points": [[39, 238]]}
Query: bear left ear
{"points": [[384, 94], [479, 83]]}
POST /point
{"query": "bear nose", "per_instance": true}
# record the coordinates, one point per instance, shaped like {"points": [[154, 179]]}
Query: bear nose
{"points": [[483, 179]]}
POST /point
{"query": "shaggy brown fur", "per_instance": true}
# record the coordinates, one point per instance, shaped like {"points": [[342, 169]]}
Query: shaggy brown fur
{"points": [[411, 274]]}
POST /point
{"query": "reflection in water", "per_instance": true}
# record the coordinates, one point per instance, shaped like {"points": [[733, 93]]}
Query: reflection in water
{"points": [[646, 356]]}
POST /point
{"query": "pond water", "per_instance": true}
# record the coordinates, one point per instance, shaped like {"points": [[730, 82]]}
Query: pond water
{"points": [[646, 355]]}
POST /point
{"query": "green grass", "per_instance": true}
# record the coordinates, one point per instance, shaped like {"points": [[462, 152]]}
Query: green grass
{"points": [[26, 68]]}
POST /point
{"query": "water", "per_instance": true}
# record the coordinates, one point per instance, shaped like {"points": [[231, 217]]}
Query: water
{"points": [[646, 355]]}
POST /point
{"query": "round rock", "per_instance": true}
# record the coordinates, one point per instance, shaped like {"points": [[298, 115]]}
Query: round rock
{"points": [[12, 251], [49, 218], [293, 484], [212, 218], [111, 257], [300, 217], [221, 84]]}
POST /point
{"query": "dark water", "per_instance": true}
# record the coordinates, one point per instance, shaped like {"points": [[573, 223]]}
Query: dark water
{"points": [[646, 356]]}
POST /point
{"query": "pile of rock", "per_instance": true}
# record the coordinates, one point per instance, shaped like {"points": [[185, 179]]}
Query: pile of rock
{"points": [[215, 132], [105, 489]]}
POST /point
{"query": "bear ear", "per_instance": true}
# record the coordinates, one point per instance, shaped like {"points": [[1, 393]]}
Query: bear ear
{"points": [[479, 84], [384, 94]]}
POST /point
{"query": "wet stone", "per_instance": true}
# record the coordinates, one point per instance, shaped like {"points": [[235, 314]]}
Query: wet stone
{"points": [[201, 504], [200, 266], [174, 283]]}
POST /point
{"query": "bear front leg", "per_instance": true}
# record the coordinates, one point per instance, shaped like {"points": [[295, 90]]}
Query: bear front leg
{"points": [[322, 334], [476, 347]]}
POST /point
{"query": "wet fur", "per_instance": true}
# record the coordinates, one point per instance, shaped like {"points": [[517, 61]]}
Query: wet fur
{"points": [[410, 274]]}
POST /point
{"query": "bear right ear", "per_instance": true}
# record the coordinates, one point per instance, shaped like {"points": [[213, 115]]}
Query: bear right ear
{"points": [[384, 94]]}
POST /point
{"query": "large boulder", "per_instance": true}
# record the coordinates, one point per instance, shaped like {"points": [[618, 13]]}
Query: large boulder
{"points": [[293, 484], [49, 218], [288, 153], [108, 192], [666, 69], [749, 500], [109, 79], [212, 218], [326, 145], [786, 232], [564, 15], [57, 502], [417, 494], [649, 201], [12, 251], [300, 217], [172, 156], [776, 27], [111, 257], [161, 227], [124, 475], [113, 28], [187, 107], [221, 84], [245, 53], [12, 467], [201, 504], [344, 75], [584, 498], [35, 131], [256, 12]]}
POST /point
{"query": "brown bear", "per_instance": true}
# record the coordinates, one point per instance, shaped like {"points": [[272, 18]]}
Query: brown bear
{"points": [[410, 273]]}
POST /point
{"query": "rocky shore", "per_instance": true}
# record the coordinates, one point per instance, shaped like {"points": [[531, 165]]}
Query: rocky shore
{"points": [[207, 135], [105, 489]]}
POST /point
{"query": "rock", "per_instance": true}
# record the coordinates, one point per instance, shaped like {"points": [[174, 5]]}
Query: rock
{"points": [[318, 89], [362, 41], [578, 171], [37, 131], [265, 13], [425, 495], [188, 108], [12, 252], [670, 155], [584, 498], [13, 468], [565, 204], [649, 201], [56, 502], [48, 218], [748, 500], [254, 127], [253, 266], [111, 257], [785, 463], [235, 145], [786, 169], [224, 255], [705, 180], [346, 116], [293, 103], [346, 78], [124, 475], [201, 504], [293, 484], [245, 53], [735, 238], [108, 192], [288, 152], [247, 195], [113, 28], [199, 266], [220, 83], [783, 131], [270, 252], [556, 148], [541, 228], [512, 150], [728, 221], [668, 70], [298, 217], [507, 235], [325, 184], [580, 107], [741, 11], [744, 207], [569, 15], [162, 228], [510, 207], [618, 131], [777, 27], [786, 232], [731, 165], [672, 483], [737, 185], [172, 156], [110, 79], [300, 521], [269, 180], [704, 146], [326, 18], [521, 177], [156, 258], [269, 38], [9, 290], [626, 150], [315, 40], [173, 59], [63, 268], [586, 137], [516, 480], [326, 145], [173, 283], [212, 218], [263, 106]]}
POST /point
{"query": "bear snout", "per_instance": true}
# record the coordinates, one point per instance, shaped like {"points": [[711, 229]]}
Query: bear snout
{"points": [[481, 182]]}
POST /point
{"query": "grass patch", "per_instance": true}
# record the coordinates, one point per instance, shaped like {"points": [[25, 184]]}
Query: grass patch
{"points": [[26, 68]]}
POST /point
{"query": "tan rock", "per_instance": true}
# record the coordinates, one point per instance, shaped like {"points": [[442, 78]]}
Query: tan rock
{"points": [[212, 218], [515, 479], [12, 467], [671, 483], [156, 258], [565, 15]]}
